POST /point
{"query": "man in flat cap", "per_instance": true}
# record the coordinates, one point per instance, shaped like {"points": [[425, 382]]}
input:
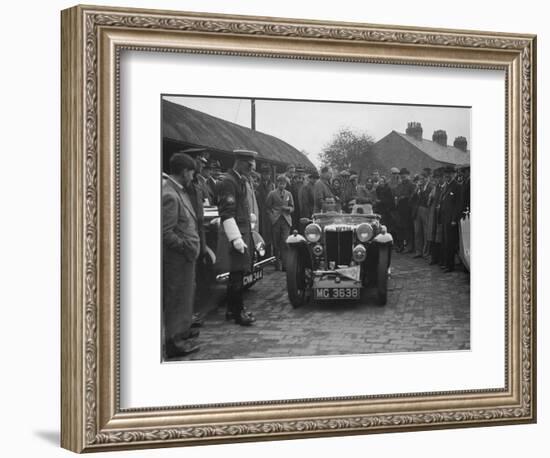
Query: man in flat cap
{"points": [[200, 196], [280, 206], [403, 193], [264, 188], [235, 245], [307, 196], [322, 190], [435, 229], [451, 212], [181, 249]]}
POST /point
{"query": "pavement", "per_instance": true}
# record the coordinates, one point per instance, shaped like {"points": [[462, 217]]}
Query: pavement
{"points": [[426, 310]]}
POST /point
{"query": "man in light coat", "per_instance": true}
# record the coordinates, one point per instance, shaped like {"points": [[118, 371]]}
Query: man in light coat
{"points": [[280, 205], [181, 248]]}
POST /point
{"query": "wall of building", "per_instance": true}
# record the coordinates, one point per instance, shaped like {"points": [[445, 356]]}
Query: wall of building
{"points": [[393, 151]]}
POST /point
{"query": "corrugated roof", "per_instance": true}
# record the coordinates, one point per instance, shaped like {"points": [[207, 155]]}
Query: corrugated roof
{"points": [[190, 126], [448, 154]]}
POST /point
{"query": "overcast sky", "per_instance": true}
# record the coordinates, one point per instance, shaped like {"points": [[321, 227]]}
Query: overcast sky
{"points": [[309, 126]]}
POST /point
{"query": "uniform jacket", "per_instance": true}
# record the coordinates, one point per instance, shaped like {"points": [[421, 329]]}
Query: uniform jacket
{"points": [[180, 225], [233, 202], [275, 203], [321, 191], [451, 203]]}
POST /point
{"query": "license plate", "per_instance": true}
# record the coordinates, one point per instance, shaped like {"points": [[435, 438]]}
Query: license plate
{"points": [[253, 277], [336, 293]]}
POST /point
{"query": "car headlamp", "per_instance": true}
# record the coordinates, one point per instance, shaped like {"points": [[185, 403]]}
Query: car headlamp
{"points": [[364, 232], [312, 232], [359, 253]]}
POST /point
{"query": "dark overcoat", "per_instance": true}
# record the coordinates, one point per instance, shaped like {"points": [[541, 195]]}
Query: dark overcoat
{"points": [[233, 203], [264, 224]]}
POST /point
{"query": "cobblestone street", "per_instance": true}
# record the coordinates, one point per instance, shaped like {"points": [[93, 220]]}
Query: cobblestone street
{"points": [[426, 310]]}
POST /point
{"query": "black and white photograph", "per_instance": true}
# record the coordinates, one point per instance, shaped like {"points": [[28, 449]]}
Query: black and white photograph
{"points": [[299, 228]]}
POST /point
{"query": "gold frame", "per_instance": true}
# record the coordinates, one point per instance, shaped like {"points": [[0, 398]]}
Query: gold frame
{"points": [[92, 38]]}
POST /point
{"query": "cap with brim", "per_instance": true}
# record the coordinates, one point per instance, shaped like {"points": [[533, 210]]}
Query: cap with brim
{"points": [[194, 151], [265, 168], [245, 154], [282, 178], [353, 177], [344, 173], [290, 166], [314, 175], [404, 171], [448, 169], [394, 170]]}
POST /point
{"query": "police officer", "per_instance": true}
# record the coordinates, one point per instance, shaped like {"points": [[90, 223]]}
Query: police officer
{"points": [[235, 244]]}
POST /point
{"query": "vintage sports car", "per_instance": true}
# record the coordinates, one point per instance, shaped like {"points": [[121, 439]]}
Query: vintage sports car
{"points": [[338, 257]]}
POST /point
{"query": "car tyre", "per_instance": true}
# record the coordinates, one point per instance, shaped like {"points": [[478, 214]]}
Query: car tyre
{"points": [[382, 274], [295, 278]]}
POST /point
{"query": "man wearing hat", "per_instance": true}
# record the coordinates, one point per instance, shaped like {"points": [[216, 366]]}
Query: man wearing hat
{"points": [[235, 245], [403, 193], [180, 251], [434, 228], [420, 214], [199, 196], [210, 182], [263, 190], [394, 179], [451, 212], [280, 205], [321, 189], [307, 196]]}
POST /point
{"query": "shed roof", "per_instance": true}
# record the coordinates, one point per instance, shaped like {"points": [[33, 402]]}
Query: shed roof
{"points": [[190, 126], [448, 154]]}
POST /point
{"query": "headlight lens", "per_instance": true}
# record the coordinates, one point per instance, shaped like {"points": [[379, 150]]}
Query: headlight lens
{"points": [[364, 232], [359, 253], [313, 232]]}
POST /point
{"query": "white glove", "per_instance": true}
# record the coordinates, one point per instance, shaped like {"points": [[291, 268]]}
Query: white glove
{"points": [[239, 245]]}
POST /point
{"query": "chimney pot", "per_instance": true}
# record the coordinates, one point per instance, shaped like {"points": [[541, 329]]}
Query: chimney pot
{"points": [[461, 143], [440, 136], [414, 129]]}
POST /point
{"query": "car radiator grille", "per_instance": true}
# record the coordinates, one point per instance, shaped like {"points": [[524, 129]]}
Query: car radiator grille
{"points": [[339, 247]]}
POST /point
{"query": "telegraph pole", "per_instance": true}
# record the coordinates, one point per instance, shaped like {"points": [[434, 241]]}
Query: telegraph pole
{"points": [[253, 113]]}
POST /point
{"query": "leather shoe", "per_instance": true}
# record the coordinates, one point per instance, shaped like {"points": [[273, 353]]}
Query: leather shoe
{"points": [[229, 315], [417, 256], [177, 348], [197, 321], [191, 333], [244, 319]]}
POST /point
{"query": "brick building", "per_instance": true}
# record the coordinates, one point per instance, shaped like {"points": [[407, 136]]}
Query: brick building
{"points": [[414, 152]]}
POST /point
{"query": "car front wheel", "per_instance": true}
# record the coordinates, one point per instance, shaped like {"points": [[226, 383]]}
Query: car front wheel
{"points": [[295, 278]]}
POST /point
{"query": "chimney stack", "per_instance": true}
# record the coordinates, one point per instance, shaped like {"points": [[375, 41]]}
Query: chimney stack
{"points": [[414, 129], [440, 136], [461, 143]]}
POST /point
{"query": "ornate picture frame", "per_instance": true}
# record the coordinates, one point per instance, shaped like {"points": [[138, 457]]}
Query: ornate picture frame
{"points": [[92, 40]]}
